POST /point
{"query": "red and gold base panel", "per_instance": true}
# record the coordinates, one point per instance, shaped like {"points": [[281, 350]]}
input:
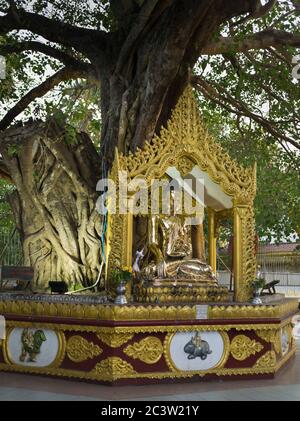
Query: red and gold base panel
{"points": [[142, 351]]}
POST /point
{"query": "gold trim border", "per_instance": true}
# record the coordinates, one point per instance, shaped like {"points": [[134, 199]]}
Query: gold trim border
{"points": [[147, 329], [285, 308], [60, 372], [135, 313]]}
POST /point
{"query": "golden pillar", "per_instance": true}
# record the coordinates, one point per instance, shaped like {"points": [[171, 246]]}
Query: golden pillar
{"points": [[129, 228], [244, 264], [120, 242], [126, 228], [237, 252], [198, 242], [212, 239], [127, 257]]}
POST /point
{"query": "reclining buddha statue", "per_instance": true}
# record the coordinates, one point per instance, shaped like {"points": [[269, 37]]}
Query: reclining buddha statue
{"points": [[174, 268]]}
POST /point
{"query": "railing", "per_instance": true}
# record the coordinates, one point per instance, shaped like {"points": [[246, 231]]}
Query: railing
{"points": [[279, 262], [10, 248], [289, 281], [221, 264]]}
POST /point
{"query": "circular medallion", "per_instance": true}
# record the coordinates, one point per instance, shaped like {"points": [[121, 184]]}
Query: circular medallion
{"points": [[286, 338], [197, 351], [34, 347]]}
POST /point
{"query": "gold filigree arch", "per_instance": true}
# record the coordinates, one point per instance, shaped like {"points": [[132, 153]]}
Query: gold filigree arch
{"points": [[187, 137], [185, 143]]}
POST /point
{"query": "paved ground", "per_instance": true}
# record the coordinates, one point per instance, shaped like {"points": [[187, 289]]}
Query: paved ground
{"points": [[285, 387]]}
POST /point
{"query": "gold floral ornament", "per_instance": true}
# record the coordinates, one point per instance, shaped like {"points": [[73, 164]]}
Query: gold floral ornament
{"points": [[79, 349], [268, 360], [115, 340], [112, 368], [242, 347], [271, 336], [149, 350]]}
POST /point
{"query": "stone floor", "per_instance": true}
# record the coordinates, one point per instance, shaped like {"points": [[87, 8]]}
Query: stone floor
{"points": [[285, 387]]}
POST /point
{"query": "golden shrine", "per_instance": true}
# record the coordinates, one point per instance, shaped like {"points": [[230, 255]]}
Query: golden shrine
{"points": [[184, 150], [179, 323]]}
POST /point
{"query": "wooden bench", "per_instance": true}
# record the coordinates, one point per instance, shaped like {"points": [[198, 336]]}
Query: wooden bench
{"points": [[270, 287], [23, 275]]}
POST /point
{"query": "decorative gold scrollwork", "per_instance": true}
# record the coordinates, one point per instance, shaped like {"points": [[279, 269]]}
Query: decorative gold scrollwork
{"points": [[268, 360], [185, 166], [79, 349], [149, 350], [242, 347], [272, 336], [186, 139], [112, 368], [115, 340]]}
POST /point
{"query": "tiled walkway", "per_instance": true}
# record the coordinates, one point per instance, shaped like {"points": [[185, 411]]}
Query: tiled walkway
{"points": [[285, 387]]}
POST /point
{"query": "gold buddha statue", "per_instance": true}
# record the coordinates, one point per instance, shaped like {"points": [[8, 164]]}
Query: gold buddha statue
{"points": [[174, 267], [173, 253]]}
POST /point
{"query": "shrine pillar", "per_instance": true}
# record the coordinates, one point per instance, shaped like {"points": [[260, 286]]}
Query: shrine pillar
{"points": [[212, 239], [198, 237], [119, 251], [244, 260]]}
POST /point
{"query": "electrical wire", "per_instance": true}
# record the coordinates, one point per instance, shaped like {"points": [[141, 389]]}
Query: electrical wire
{"points": [[103, 240], [90, 287]]}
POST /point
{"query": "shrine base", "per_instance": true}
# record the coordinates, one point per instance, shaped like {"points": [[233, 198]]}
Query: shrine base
{"points": [[141, 344]]}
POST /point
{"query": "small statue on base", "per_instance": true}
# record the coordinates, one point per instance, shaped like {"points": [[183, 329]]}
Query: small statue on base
{"points": [[139, 256]]}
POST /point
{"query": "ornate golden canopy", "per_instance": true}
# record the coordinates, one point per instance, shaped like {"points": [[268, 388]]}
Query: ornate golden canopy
{"points": [[185, 144]]}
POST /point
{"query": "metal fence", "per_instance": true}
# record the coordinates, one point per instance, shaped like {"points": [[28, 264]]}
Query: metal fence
{"points": [[279, 262], [284, 268], [10, 248], [289, 282]]}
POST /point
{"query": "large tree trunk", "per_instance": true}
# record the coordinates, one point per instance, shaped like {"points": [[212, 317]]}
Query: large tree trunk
{"points": [[144, 76], [55, 172]]}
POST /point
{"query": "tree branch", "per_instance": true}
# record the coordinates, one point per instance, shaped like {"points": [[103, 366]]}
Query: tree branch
{"points": [[261, 40], [41, 90], [259, 11], [35, 46], [218, 94], [81, 39]]}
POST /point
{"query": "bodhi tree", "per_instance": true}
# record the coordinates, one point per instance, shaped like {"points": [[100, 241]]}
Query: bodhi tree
{"points": [[136, 57]]}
